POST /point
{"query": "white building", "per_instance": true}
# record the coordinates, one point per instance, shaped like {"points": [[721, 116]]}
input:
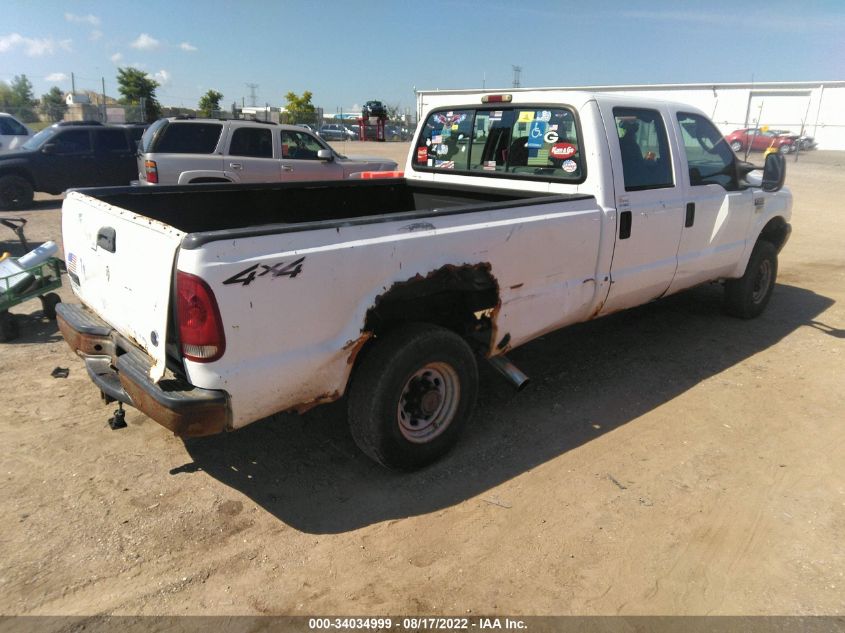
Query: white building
{"points": [[816, 107]]}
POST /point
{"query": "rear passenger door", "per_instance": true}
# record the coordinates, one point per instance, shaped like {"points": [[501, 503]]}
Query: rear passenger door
{"points": [[114, 158], [250, 156], [649, 204]]}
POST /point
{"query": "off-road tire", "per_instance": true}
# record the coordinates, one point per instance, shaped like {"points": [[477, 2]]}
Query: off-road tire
{"points": [[8, 327], [48, 305], [748, 296], [15, 192], [411, 395]]}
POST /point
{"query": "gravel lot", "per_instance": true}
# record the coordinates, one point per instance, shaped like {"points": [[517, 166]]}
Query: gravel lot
{"points": [[666, 460]]}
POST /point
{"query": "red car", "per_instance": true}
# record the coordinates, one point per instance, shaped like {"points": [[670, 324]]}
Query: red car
{"points": [[759, 140]]}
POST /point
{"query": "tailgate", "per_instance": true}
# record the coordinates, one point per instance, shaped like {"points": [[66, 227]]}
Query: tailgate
{"points": [[121, 266]]}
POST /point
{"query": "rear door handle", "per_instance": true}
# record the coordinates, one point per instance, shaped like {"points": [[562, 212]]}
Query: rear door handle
{"points": [[287, 168], [690, 219], [236, 166]]}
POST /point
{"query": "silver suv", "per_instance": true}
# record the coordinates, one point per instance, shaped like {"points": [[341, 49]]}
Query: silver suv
{"points": [[182, 151]]}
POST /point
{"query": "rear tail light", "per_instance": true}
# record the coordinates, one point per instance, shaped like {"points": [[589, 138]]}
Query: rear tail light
{"points": [[200, 326], [151, 170]]}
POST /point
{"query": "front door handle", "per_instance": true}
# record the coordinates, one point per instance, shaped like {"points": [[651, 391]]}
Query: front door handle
{"points": [[625, 219], [287, 168], [236, 166], [690, 219]]}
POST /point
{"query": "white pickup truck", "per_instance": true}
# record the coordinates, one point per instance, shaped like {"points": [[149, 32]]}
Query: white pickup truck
{"points": [[213, 306]]}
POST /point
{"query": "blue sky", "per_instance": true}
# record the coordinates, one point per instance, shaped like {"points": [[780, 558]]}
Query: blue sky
{"points": [[350, 52]]}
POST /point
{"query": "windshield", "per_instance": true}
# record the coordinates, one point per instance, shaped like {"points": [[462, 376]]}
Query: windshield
{"points": [[39, 139]]}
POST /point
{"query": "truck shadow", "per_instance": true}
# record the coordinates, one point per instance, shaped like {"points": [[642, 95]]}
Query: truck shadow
{"points": [[588, 379]]}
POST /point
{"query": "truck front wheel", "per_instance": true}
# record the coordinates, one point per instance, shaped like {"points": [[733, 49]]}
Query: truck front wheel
{"points": [[747, 296], [411, 395]]}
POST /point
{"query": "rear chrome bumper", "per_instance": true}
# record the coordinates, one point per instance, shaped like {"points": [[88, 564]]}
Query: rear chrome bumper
{"points": [[122, 373]]}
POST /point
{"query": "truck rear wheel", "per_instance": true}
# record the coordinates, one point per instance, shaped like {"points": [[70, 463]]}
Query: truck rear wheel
{"points": [[747, 296], [411, 395], [15, 192]]}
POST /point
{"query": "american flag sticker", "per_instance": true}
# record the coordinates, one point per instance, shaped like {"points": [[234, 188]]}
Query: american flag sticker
{"points": [[71, 263]]}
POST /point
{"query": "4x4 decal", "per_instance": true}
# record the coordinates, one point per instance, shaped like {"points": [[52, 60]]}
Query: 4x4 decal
{"points": [[280, 269]]}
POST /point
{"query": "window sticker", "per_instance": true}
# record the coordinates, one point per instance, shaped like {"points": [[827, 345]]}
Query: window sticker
{"points": [[569, 166], [551, 137], [562, 150], [535, 134], [490, 165], [526, 116], [437, 139], [545, 115], [444, 164], [422, 154], [442, 149]]}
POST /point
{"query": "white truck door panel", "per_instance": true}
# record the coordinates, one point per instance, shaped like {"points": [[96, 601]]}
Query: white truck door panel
{"points": [[650, 205], [718, 211]]}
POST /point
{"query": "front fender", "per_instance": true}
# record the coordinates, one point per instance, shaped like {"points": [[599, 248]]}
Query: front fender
{"points": [[770, 218]]}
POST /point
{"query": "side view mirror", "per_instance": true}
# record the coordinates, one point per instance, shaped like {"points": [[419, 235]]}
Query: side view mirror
{"points": [[774, 172], [49, 148], [325, 154]]}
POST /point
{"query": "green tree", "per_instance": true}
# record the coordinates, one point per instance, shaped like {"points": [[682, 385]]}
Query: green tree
{"points": [[136, 87], [210, 103], [300, 109], [53, 104], [17, 97]]}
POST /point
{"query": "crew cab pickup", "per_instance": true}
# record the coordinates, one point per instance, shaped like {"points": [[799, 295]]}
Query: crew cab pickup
{"points": [[211, 307]]}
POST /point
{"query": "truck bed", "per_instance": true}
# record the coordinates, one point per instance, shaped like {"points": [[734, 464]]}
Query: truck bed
{"points": [[264, 208]]}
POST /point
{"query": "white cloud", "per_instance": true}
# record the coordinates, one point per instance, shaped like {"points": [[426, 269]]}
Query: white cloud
{"points": [[95, 35], [56, 77], [116, 58], [187, 47], [145, 42], [93, 20], [33, 47], [162, 77]]}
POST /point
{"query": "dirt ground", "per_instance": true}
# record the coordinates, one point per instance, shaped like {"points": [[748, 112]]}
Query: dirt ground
{"points": [[666, 460]]}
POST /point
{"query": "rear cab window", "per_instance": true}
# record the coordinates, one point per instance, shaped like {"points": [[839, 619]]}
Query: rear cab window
{"points": [[522, 141], [182, 137]]}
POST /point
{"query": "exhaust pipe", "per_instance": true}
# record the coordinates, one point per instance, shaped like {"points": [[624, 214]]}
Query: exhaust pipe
{"points": [[509, 371]]}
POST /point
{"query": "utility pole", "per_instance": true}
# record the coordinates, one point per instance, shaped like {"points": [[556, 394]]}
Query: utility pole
{"points": [[104, 117], [72, 84], [516, 71], [253, 94]]}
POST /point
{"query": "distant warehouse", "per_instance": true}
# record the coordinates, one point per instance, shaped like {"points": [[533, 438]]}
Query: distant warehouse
{"points": [[816, 108]]}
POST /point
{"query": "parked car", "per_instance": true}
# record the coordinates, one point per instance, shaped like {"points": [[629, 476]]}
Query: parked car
{"points": [[66, 155], [184, 151], [13, 133], [759, 140], [801, 141], [337, 132]]}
